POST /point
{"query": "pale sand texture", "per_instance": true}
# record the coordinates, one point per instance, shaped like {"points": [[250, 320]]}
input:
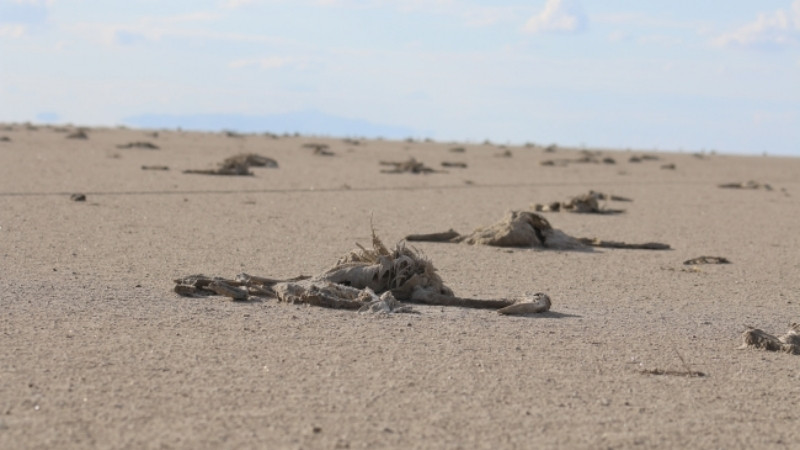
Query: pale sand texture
{"points": [[97, 351]]}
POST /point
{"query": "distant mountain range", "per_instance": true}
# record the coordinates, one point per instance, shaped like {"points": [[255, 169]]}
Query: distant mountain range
{"points": [[303, 122]]}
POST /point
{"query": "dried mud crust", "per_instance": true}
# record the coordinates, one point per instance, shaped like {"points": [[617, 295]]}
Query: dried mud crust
{"points": [[369, 280], [759, 339], [238, 165], [527, 229]]}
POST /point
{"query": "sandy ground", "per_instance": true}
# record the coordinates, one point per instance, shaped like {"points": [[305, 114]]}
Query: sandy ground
{"points": [[98, 352]]}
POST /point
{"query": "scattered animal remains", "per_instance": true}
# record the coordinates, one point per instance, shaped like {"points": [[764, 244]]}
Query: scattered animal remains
{"points": [[674, 373], [527, 229], [587, 158], [595, 242], [80, 134], [367, 280], [586, 203], [140, 144], [706, 260], [458, 165], [788, 343], [319, 149], [238, 165], [410, 166], [746, 185], [638, 159]]}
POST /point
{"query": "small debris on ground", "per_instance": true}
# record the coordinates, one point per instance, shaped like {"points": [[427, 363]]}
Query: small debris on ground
{"points": [[458, 165], [706, 260], [78, 197], [238, 165], [747, 185], [409, 166], [139, 144], [80, 134], [585, 203], [319, 149], [674, 373]]}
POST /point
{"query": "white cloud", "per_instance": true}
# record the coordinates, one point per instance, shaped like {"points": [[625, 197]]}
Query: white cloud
{"points": [[34, 2], [12, 31], [271, 62], [558, 16], [660, 39], [153, 29], [618, 36], [470, 14], [233, 4], [778, 28]]}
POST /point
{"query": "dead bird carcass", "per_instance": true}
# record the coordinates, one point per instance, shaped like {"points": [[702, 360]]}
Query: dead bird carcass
{"points": [[528, 229], [376, 279]]}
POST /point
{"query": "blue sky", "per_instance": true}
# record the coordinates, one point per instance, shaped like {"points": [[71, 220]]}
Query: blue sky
{"points": [[721, 76]]}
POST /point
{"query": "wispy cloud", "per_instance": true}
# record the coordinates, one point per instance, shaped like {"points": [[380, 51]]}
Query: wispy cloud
{"points": [[233, 4], [773, 29], [558, 16], [154, 29], [12, 31], [470, 14], [266, 63]]}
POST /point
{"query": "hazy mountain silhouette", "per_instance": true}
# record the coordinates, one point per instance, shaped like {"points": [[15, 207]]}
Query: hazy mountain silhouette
{"points": [[303, 122]]}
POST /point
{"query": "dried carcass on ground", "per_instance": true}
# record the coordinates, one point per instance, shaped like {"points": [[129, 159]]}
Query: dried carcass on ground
{"points": [[319, 149], [788, 343], [410, 166], [527, 229], [746, 185], [139, 144], [373, 279], [706, 260], [585, 203], [238, 165]]}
